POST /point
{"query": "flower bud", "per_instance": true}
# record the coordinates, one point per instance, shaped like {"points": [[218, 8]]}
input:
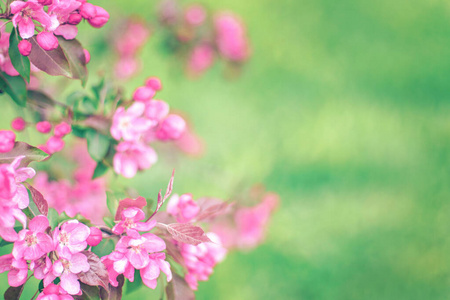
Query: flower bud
{"points": [[154, 83], [47, 40], [195, 15], [74, 19], [87, 11], [24, 47], [44, 127], [62, 129], [143, 93], [171, 128], [18, 124], [7, 140], [87, 55], [54, 144], [95, 237], [100, 19]]}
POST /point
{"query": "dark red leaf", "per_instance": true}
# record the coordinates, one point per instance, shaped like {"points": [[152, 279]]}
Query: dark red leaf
{"points": [[52, 62], [13, 293], [23, 149], [38, 199], [187, 233], [178, 289], [97, 274], [139, 202], [75, 55], [166, 195], [115, 293]]}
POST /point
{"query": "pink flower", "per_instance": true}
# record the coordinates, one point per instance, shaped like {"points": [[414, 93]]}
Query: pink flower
{"points": [[47, 40], [171, 128], [24, 14], [33, 243], [156, 110], [150, 273], [130, 222], [20, 175], [231, 37], [183, 208], [67, 270], [129, 124], [54, 292], [43, 127], [7, 140], [195, 15], [62, 10], [43, 269], [25, 47], [95, 237], [9, 213], [54, 144], [201, 58], [18, 269], [143, 93], [62, 129], [131, 157], [154, 83], [70, 238]]}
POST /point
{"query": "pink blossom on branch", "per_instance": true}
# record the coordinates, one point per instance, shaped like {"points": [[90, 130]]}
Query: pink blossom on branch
{"points": [[132, 157], [24, 15], [33, 243], [129, 124]]}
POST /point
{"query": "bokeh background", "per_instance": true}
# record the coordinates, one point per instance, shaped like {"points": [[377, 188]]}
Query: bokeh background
{"points": [[343, 110]]}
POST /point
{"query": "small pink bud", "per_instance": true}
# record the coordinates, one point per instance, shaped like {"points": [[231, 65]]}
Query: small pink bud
{"points": [[95, 237], [7, 140], [54, 144], [18, 124], [87, 55], [143, 93], [62, 129], [24, 47], [47, 40], [195, 15], [100, 19], [154, 83], [74, 19], [87, 11], [171, 128], [44, 127]]}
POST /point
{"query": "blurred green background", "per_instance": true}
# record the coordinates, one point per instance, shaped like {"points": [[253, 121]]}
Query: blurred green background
{"points": [[344, 111]]}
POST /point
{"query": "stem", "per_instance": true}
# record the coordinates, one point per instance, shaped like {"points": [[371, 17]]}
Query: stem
{"points": [[35, 294], [161, 225]]}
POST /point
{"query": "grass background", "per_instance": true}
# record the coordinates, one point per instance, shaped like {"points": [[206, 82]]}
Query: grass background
{"points": [[344, 111]]}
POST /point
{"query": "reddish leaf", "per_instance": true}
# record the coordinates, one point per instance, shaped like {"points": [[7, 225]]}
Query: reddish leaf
{"points": [[166, 195], [88, 292], [187, 233], [75, 56], [23, 149], [115, 293], [211, 207], [38, 199], [52, 62], [139, 202], [97, 274], [13, 293], [178, 289]]}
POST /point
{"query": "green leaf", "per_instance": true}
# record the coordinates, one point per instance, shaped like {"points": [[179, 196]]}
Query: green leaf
{"points": [[52, 217], [77, 60], [79, 131], [4, 243], [100, 169], [15, 87], [98, 144], [23, 149], [111, 202], [109, 222], [136, 284], [105, 247], [21, 63], [52, 62]]}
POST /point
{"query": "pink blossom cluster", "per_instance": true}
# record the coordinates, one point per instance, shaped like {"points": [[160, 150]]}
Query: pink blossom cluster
{"points": [[200, 260], [49, 255], [145, 121], [81, 195], [249, 224], [135, 251], [128, 41], [53, 18], [13, 197], [205, 43]]}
